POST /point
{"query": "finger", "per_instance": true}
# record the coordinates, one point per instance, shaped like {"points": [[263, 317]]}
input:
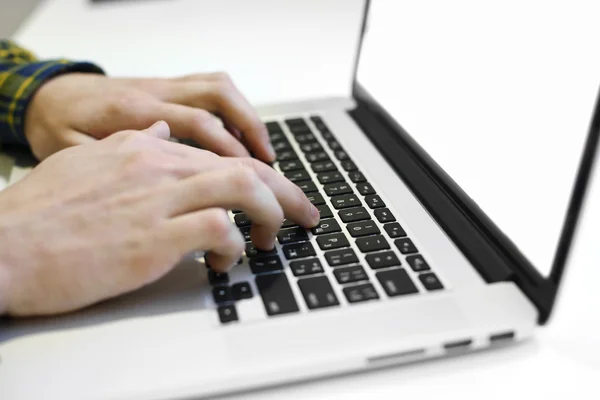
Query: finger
{"points": [[293, 201], [159, 130], [238, 187], [199, 125], [218, 94], [209, 230]]}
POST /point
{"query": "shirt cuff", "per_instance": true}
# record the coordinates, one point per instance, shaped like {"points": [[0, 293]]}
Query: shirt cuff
{"points": [[19, 87]]}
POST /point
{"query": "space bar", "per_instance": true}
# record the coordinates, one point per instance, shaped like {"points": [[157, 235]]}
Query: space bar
{"points": [[276, 294]]}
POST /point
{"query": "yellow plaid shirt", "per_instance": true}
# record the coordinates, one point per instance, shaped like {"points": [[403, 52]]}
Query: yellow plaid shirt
{"points": [[21, 74]]}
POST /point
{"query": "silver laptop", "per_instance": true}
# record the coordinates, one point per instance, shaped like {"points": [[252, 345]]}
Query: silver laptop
{"points": [[436, 239]]}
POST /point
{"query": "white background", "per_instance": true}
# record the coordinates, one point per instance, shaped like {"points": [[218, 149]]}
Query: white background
{"points": [[564, 357]]}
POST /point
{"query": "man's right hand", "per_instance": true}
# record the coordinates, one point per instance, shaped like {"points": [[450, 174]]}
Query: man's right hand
{"points": [[95, 221]]}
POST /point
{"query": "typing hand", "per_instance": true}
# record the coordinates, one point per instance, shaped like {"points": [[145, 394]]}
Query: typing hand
{"points": [[78, 108], [94, 221]]}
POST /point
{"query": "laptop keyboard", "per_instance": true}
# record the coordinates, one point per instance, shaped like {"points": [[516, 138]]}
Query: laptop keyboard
{"points": [[367, 252]]}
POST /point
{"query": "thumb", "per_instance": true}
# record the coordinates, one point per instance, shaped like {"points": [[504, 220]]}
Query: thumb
{"points": [[160, 130]]}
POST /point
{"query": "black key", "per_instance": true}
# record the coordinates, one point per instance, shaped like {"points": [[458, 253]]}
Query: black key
{"points": [[236, 211], [295, 122], [317, 292], [242, 220], [298, 250], [292, 235], [281, 145], [265, 264], [333, 241], [307, 186], [276, 293], [315, 198], [222, 294], [358, 293], [318, 156], [246, 232], [345, 201], [430, 281], [287, 155], [354, 214], [324, 211], [326, 226], [341, 155], [365, 188], [299, 129], [372, 243], [364, 228], [304, 138], [382, 260], [327, 135], [406, 246], [349, 165], [286, 166], [298, 175], [330, 177], [384, 215], [341, 257], [311, 147], [336, 189], [394, 230], [227, 313], [241, 291], [374, 201], [334, 145], [307, 266], [273, 127], [275, 136], [252, 251], [396, 282], [319, 123], [357, 177], [323, 166], [217, 278], [354, 273], [288, 224], [417, 263]]}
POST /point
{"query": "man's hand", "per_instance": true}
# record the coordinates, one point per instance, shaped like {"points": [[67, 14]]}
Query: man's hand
{"points": [[98, 220], [78, 108]]}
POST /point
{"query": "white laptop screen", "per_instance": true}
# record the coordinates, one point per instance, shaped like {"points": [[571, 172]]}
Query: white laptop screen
{"points": [[499, 94]]}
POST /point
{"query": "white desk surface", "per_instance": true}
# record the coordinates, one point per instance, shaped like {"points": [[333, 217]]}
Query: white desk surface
{"points": [[562, 360]]}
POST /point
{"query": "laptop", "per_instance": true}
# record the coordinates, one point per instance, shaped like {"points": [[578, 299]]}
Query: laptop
{"points": [[445, 229]]}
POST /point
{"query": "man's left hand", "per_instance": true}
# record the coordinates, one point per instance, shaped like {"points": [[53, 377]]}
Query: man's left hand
{"points": [[78, 108]]}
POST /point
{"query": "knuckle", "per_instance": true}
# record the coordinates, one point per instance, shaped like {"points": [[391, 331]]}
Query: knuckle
{"points": [[219, 224], [245, 179], [223, 86], [222, 77], [138, 161], [202, 119]]}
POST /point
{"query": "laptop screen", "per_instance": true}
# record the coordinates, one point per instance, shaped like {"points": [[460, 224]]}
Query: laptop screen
{"points": [[499, 94]]}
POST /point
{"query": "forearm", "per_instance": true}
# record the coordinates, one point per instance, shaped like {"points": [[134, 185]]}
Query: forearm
{"points": [[21, 75]]}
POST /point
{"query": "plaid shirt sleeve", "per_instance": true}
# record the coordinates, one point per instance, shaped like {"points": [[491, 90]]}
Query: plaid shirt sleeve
{"points": [[21, 74]]}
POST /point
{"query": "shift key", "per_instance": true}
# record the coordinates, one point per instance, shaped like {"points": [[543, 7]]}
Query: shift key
{"points": [[276, 294]]}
